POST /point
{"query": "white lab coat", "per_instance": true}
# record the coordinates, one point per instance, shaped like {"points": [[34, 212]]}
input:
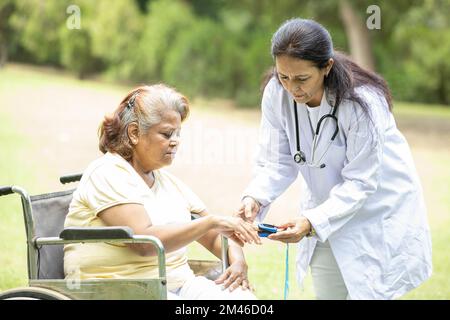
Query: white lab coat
{"points": [[367, 201]]}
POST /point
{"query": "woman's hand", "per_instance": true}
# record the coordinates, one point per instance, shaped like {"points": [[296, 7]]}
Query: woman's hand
{"points": [[248, 210], [293, 231], [234, 276], [237, 229]]}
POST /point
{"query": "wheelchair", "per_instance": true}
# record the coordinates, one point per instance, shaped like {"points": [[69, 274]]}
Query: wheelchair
{"points": [[44, 217]]}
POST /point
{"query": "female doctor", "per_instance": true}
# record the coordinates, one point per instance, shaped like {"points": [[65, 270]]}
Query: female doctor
{"points": [[362, 227]]}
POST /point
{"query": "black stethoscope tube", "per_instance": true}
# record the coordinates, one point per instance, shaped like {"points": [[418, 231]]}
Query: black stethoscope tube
{"points": [[299, 156]]}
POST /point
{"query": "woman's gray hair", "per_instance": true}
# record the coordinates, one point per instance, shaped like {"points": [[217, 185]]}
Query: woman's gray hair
{"points": [[145, 106], [153, 102]]}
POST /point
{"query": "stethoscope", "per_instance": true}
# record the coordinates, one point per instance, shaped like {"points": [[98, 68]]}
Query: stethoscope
{"points": [[300, 156]]}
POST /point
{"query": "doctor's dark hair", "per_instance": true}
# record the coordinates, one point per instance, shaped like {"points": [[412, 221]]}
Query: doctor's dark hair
{"points": [[144, 106], [308, 40]]}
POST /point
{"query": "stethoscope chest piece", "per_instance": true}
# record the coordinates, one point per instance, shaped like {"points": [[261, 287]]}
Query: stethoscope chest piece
{"points": [[300, 157]]}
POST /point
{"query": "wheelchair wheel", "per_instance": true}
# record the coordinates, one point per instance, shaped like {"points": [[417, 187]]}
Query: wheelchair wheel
{"points": [[32, 293]]}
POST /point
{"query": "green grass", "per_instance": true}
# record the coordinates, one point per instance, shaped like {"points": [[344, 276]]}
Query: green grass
{"points": [[437, 187], [438, 286], [13, 171], [267, 270], [15, 76], [420, 110]]}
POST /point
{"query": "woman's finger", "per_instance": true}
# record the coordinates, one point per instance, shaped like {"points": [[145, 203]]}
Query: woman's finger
{"points": [[253, 232], [286, 225], [223, 276], [248, 233], [241, 237], [231, 278], [235, 238], [242, 232], [282, 234], [276, 236], [245, 285], [236, 284], [285, 236]]}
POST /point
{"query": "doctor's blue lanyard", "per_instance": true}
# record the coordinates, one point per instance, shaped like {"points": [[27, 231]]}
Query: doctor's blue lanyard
{"points": [[286, 275]]}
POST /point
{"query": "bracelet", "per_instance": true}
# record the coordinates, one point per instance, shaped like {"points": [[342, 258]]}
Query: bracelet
{"points": [[311, 232]]}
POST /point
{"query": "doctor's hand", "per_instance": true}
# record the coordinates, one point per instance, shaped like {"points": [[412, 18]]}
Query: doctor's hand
{"points": [[248, 210], [293, 231], [234, 276]]}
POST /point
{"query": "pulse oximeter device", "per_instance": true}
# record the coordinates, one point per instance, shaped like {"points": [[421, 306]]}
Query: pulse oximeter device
{"points": [[266, 229]]}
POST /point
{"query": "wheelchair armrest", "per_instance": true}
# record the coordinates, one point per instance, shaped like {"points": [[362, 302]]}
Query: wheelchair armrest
{"points": [[5, 190], [103, 234], [74, 233], [68, 178]]}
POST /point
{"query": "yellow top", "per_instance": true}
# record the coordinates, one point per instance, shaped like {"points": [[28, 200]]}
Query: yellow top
{"points": [[109, 181]]}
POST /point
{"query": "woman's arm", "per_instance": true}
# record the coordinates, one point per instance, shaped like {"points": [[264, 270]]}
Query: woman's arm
{"points": [[236, 273], [173, 236]]}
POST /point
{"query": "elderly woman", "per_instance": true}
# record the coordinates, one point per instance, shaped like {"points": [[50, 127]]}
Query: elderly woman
{"points": [[127, 187]]}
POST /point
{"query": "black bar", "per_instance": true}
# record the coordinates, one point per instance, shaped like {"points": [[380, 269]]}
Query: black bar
{"points": [[68, 178], [5, 190], [75, 233]]}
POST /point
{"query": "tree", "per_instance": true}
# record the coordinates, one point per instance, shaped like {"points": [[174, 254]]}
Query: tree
{"points": [[77, 49], [358, 35], [37, 24], [6, 11], [116, 28], [424, 37], [160, 30], [202, 60]]}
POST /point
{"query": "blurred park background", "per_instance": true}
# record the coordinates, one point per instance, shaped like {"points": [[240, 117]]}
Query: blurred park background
{"points": [[65, 64]]}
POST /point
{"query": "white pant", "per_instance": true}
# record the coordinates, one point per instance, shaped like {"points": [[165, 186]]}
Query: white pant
{"points": [[200, 288], [327, 278]]}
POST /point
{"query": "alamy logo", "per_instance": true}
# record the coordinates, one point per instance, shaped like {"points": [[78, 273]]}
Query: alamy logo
{"points": [[374, 20], [74, 20]]}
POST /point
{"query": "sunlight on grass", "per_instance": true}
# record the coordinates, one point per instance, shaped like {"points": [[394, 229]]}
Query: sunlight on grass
{"points": [[15, 76], [13, 261], [267, 270], [417, 109], [437, 287]]}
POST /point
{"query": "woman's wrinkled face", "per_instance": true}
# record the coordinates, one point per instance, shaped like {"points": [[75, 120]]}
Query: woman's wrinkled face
{"points": [[157, 148], [301, 78]]}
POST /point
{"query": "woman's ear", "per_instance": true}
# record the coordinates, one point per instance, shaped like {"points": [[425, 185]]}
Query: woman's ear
{"points": [[133, 133], [329, 66]]}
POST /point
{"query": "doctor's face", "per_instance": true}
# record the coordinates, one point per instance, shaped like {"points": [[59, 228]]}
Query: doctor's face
{"points": [[302, 79]]}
